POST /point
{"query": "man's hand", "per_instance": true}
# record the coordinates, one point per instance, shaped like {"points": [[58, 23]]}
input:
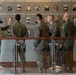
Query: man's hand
{"points": [[33, 48]]}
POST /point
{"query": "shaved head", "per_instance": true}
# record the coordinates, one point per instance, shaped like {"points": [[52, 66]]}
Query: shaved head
{"points": [[66, 16]]}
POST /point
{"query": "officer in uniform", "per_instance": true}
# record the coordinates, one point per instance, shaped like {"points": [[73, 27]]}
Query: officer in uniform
{"points": [[42, 46], [20, 30], [54, 31], [67, 30]]}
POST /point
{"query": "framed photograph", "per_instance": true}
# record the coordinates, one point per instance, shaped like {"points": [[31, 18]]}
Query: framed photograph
{"points": [[46, 7], [9, 8], [56, 19], [74, 7], [37, 7], [65, 7], [9, 20], [56, 7], [74, 20], [28, 20], [1, 21], [29, 33], [28, 8], [19, 8], [45, 18], [1, 7]]}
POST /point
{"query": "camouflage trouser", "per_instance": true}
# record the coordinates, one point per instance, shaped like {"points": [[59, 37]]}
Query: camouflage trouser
{"points": [[68, 58], [21, 54], [58, 55], [22, 57], [43, 60]]}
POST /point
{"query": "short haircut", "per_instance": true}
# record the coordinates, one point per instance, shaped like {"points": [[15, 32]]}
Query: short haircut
{"points": [[39, 16], [18, 17], [52, 16], [67, 13], [28, 5]]}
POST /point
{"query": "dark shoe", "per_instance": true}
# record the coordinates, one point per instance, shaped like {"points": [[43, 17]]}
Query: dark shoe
{"points": [[40, 71], [69, 70], [23, 70], [45, 70]]}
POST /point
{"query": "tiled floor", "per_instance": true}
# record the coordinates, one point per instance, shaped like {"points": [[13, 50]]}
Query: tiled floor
{"points": [[30, 70]]}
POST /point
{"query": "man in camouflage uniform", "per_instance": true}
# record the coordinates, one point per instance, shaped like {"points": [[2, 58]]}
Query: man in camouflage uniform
{"points": [[20, 30], [74, 21], [42, 46], [54, 31], [67, 30]]}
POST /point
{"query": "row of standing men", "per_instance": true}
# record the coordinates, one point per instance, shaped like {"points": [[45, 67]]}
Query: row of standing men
{"points": [[48, 52], [60, 53]]}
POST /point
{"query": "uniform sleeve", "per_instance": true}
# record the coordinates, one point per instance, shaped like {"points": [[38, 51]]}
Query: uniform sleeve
{"points": [[37, 31], [63, 33], [13, 31], [36, 42], [0, 32], [54, 32], [5, 28], [37, 34], [26, 32]]}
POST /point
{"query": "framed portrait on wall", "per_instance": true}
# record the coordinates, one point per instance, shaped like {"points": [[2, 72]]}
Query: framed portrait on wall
{"points": [[37, 7], [9, 7], [45, 19], [65, 7], [58, 18], [74, 20], [28, 20], [1, 20], [46, 7], [28, 8], [19, 8], [9, 20], [1, 7], [29, 33], [56, 8], [74, 7]]}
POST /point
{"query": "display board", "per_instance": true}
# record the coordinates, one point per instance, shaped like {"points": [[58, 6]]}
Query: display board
{"points": [[29, 9]]}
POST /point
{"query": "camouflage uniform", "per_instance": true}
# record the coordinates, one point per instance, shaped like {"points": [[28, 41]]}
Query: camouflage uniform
{"points": [[42, 47], [54, 31], [68, 30], [75, 28], [20, 30]]}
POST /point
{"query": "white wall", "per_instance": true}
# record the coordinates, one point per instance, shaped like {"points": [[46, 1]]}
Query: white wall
{"points": [[36, 0], [7, 54], [7, 51]]}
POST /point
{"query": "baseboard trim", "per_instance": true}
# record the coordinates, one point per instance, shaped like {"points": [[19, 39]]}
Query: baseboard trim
{"points": [[75, 63], [10, 64], [27, 64]]}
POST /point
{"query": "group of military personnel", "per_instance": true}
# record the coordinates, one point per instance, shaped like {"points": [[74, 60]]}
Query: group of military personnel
{"points": [[63, 51], [45, 50]]}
